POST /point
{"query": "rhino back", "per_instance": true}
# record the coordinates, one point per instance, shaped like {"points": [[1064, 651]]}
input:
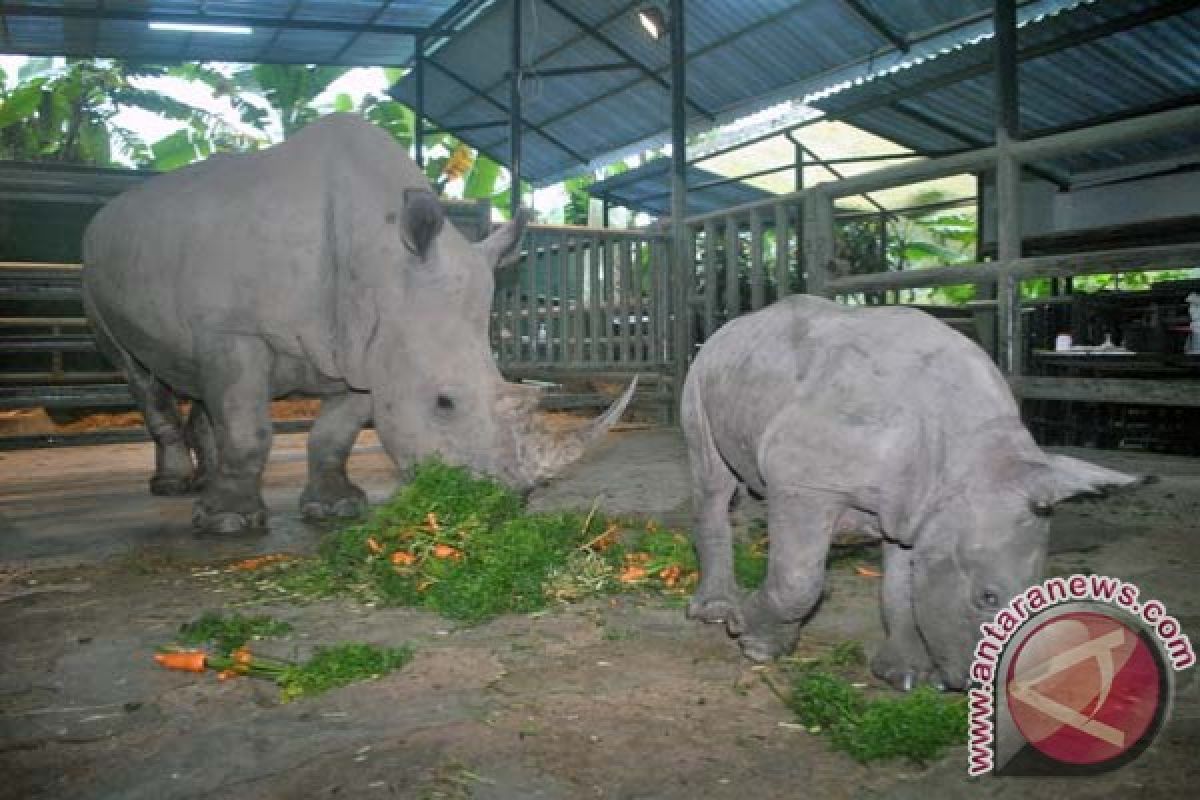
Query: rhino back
{"points": [[839, 383], [244, 244]]}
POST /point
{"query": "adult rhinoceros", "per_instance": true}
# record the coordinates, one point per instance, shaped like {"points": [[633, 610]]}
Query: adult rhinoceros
{"points": [[883, 417], [320, 266]]}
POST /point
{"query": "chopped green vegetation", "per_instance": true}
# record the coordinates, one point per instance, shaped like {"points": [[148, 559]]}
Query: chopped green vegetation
{"points": [[229, 633], [750, 562], [916, 726], [341, 665], [464, 547], [850, 554], [848, 654]]}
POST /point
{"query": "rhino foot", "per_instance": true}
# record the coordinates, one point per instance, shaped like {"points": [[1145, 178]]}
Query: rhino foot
{"points": [[905, 673], [172, 485], [228, 522], [717, 609], [768, 644], [342, 502]]}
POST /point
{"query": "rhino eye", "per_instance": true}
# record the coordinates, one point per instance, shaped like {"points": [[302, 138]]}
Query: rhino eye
{"points": [[989, 599], [445, 403]]}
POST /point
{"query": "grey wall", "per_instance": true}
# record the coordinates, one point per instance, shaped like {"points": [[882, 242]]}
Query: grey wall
{"points": [[1046, 209]]}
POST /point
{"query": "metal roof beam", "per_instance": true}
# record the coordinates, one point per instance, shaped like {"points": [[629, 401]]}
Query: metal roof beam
{"points": [[353, 40], [1129, 113], [877, 24], [941, 126], [1113, 26], [646, 71], [270, 45], [558, 72], [333, 26], [837, 173], [767, 20], [503, 108]]}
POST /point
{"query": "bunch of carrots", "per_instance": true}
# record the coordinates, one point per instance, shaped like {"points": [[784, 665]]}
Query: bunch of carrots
{"points": [[640, 567], [414, 545], [239, 662]]}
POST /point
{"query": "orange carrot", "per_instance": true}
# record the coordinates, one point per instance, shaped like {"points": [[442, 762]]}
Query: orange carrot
{"points": [[670, 575], [632, 574], [184, 660], [446, 551], [242, 656], [258, 562], [226, 674], [867, 572], [402, 558], [373, 545]]}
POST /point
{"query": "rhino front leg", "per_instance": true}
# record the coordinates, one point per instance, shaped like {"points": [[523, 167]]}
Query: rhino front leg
{"points": [[800, 525], [237, 398], [903, 660], [329, 492]]}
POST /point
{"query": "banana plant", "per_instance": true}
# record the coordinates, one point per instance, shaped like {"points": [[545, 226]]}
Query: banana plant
{"points": [[66, 112]]}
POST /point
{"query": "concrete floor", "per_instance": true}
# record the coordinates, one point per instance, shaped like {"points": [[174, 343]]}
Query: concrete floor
{"points": [[95, 573]]}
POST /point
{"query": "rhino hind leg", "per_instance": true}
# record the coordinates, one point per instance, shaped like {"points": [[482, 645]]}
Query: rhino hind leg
{"points": [[714, 484], [903, 661], [172, 458], [329, 494], [800, 524], [200, 437], [237, 399]]}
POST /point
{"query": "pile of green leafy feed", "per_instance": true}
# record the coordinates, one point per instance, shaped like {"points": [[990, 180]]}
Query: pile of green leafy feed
{"points": [[917, 726], [448, 542], [464, 547]]}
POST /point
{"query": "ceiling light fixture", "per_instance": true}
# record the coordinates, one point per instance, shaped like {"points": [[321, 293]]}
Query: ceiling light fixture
{"points": [[653, 21], [195, 27]]}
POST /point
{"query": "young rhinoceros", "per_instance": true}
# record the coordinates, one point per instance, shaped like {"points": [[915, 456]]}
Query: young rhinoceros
{"points": [[877, 415]]}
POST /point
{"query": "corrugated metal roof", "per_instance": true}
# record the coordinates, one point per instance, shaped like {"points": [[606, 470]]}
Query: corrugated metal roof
{"points": [[742, 56], [1092, 63], [348, 32], [648, 188]]}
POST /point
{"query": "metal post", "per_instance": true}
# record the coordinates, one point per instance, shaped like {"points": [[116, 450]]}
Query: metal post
{"points": [[679, 231], [419, 115], [1008, 188], [514, 111], [604, 211], [799, 157]]}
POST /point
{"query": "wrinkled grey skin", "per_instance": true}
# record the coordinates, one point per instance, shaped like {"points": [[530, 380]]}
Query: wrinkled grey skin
{"points": [[320, 266], [877, 418]]}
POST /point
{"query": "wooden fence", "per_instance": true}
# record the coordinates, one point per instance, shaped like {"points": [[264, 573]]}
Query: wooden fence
{"points": [[585, 299], [736, 247]]}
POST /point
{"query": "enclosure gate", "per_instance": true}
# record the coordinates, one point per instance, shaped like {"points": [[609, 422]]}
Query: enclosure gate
{"points": [[588, 303]]}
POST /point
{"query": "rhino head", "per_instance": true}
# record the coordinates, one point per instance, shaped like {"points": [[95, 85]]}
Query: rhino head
{"points": [[984, 539], [413, 330]]}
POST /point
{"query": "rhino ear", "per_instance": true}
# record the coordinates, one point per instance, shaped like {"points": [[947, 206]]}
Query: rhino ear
{"points": [[502, 247], [423, 219], [1063, 477]]}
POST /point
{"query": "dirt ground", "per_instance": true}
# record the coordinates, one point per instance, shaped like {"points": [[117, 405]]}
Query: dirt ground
{"points": [[620, 698]]}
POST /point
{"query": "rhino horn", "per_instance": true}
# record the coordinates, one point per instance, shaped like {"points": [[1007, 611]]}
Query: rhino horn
{"points": [[547, 453]]}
